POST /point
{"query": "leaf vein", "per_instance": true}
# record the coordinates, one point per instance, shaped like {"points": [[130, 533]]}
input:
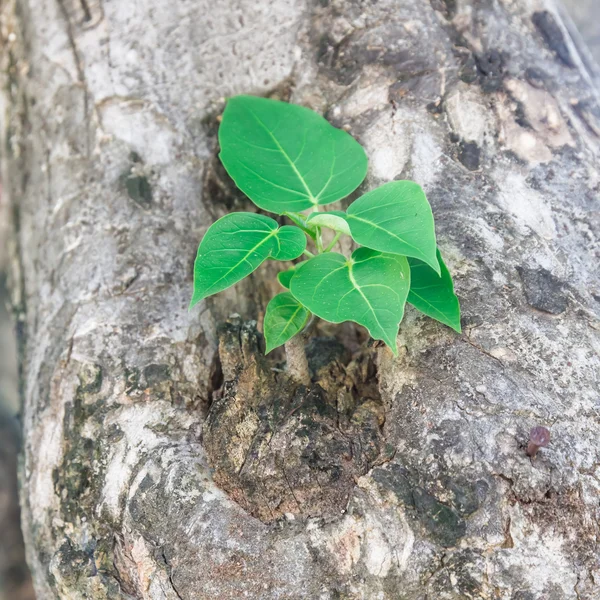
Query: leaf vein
{"points": [[285, 154]]}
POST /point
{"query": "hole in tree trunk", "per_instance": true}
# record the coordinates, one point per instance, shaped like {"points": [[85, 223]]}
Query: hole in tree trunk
{"points": [[282, 449]]}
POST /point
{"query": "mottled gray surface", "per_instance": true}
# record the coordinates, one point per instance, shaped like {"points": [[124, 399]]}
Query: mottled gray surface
{"points": [[8, 361], [586, 16], [108, 110]]}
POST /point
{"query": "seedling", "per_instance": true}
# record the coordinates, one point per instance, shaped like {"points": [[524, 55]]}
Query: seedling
{"points": [[290, 161]]}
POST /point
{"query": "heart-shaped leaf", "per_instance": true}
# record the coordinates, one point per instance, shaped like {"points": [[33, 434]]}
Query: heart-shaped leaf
{"points": [[433, 294], [370, 289], [236, 245], [285, 157], [396, 218], [284, 277], [284, 318]]}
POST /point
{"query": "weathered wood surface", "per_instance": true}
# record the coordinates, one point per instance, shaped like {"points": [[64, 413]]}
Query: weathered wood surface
{"points": [[109, 117]]}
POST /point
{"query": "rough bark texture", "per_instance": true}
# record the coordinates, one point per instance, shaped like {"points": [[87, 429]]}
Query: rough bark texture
{"points": [[109, 120], [281, 449]]}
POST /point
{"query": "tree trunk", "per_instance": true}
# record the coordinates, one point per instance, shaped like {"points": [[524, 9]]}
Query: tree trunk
{"points": [[156, 469]]}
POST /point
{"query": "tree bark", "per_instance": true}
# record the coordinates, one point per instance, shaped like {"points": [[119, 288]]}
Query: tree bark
{"points": [[109, 119]]}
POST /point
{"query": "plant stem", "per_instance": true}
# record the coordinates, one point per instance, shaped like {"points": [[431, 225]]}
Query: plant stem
{"points": [[296, 218], [309, 327], [318, 241], [309, 254], [333, 242], [297, 365]]}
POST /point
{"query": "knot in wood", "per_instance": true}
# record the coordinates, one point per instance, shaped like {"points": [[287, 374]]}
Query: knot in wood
{"points": [[282, 449]]}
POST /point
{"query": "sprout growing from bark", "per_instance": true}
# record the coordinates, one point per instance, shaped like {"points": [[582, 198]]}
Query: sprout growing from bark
{"points": [[291, 162]]}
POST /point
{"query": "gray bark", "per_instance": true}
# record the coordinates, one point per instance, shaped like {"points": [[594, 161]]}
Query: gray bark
{"points": [[585, 15], [108, 119]]}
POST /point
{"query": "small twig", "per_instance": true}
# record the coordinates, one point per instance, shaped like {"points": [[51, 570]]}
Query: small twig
{"points": [[319, 241], [309, 327]]}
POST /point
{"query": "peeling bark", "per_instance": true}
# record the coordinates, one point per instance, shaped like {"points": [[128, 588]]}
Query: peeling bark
{"points": [[109, 115]]}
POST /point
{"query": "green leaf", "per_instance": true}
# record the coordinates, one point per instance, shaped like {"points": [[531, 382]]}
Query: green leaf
{"points": [[334, 219], [290, 242], [284, 318], [236, 245], [370, 289], [284, 277], [300, 220], [396, 218], [432, 294], [285, 157]]}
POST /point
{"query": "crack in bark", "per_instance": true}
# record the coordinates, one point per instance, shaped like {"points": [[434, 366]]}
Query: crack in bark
{"points": [[290, 487], [80, 72], [170, 573], [87, 14]]}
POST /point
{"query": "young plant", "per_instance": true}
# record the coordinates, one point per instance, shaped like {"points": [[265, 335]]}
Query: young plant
{"points": [[290, 161]]}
